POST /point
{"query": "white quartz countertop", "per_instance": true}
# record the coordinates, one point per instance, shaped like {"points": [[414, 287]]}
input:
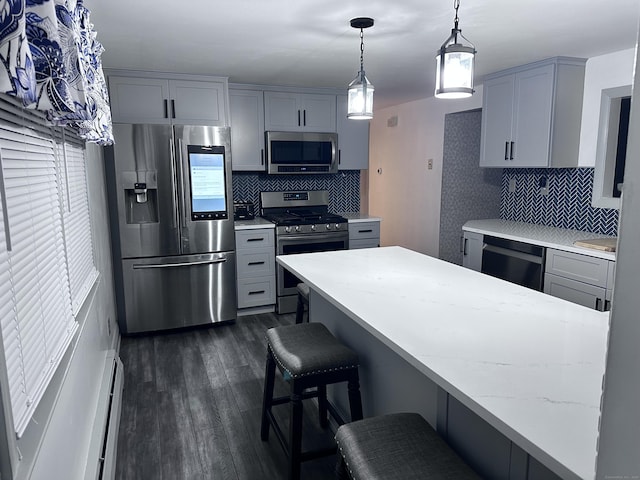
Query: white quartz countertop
{"points": [[528, 363], [257, 222], [552, 237], [355, 217]]}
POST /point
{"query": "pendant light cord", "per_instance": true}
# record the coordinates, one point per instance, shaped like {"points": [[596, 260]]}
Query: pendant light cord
{"points": [[456, 6], [362, 49]]}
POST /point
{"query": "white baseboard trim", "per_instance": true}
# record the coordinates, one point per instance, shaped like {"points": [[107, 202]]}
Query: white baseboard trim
{"points": [[101, 463]]}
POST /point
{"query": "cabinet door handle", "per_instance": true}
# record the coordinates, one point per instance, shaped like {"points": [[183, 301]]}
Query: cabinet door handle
{"points": [[464, 247], [304, 117], [262, 156], [599, 304], [255, 263], [173, 108], [166, 108], [513, 144], [506, 150], [256, 292], [339, 156], [607, 305], [298, 117], [255, 239], [365, 231]]}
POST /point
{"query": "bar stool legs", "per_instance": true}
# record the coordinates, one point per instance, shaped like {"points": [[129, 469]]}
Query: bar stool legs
{"points": [[267, 397], [309, 358], [303, 300]]}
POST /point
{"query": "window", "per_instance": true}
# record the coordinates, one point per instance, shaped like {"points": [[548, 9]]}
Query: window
{"points": [[611, 149], [46, 255], [76, 223]]}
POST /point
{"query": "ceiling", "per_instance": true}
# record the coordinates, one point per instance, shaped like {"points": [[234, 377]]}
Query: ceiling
{"points": [[310, 42]]}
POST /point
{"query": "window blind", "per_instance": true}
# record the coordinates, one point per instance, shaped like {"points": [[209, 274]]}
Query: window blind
{"points": [[37, 320], [76, 222]]}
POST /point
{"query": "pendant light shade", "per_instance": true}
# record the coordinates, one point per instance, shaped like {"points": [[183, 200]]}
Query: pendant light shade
{"points": [[360, 94], [455, 64]]}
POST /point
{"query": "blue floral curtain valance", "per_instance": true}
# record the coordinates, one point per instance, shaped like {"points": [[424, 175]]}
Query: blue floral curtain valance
{"points": [[51, 61], [17, 75]]}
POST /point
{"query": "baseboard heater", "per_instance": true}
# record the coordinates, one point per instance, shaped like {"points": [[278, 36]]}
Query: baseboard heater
{"points": [[101, 464]]}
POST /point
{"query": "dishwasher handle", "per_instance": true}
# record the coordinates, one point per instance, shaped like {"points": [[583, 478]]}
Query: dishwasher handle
{"points": [[513, 253]]}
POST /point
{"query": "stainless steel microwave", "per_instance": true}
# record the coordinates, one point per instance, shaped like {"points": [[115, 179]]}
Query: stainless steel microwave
{"points": [[301, 152]]}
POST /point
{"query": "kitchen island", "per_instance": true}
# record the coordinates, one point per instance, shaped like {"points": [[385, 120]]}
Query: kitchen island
{"points": [[439, 339]]}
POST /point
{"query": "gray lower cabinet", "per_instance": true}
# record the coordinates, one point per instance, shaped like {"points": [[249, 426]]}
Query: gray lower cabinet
{"points": [[364, 234], [472, 244], [256, 262], [579, 278]]}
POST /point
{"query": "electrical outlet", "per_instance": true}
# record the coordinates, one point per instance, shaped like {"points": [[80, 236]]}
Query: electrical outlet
{"points": [[430, 164], [512, 185]]}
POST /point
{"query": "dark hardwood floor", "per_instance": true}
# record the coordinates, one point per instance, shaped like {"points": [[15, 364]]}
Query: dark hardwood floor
{"points": [[192, 405]]}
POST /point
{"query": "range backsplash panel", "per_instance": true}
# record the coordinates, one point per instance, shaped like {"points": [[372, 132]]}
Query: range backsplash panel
{"points": [[344, 187], [567, 205]]}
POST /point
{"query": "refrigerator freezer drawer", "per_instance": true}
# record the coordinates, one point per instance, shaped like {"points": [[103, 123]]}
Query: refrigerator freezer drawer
{"points": [[174, 292]]}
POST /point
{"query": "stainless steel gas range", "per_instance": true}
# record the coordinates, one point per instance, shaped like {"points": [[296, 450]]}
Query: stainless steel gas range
{"points": [[303, 225]]}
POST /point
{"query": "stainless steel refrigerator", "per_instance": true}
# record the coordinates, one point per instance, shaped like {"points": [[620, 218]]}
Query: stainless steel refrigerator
{"points": [[173, 240]]}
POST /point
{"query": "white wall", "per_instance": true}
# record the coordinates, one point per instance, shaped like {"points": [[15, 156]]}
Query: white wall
{"points": [[606, 71], [56, 442], [407, 195], [619, 442]]}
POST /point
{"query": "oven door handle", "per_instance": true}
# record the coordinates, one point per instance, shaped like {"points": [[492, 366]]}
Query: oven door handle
{"points": [[513, 253], [315, 238]]}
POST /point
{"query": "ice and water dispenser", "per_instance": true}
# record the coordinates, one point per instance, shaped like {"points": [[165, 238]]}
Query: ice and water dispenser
{"points": [[140, 197]]}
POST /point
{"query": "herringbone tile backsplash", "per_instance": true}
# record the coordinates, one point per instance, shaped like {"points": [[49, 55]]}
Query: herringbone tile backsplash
{"points": [[568, 204], [344, 187]]}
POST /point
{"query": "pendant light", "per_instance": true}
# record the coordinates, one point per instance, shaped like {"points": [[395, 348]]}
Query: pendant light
{"points": [[454, 64], [360, 94]]}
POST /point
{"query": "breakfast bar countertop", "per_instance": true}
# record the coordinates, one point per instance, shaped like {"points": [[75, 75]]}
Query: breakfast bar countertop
{"points": [[529, 364], [551, 237]]}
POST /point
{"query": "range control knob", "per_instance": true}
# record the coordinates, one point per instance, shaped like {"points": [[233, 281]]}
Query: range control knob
{"points": [[313, 228], [328, 226], [337, 226], [287, 229], [297, 228]]}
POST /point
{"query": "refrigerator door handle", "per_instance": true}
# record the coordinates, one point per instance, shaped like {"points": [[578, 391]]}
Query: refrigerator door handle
{"points": [[174, 182], [183, 264], [181, 186]]}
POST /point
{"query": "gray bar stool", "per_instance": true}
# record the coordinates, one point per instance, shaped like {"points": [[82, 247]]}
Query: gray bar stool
{"points": [[310, 358], [399, 446], [303, 300]]}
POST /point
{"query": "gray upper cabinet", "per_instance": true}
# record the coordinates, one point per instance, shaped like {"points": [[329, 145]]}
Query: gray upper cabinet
{"points": [[285, 111], [531, 115], [161, 100], [247, 129], [353, 139]]}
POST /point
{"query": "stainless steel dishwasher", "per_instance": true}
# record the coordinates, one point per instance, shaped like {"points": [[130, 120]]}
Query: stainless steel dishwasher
{"points": [[517, 262]]}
